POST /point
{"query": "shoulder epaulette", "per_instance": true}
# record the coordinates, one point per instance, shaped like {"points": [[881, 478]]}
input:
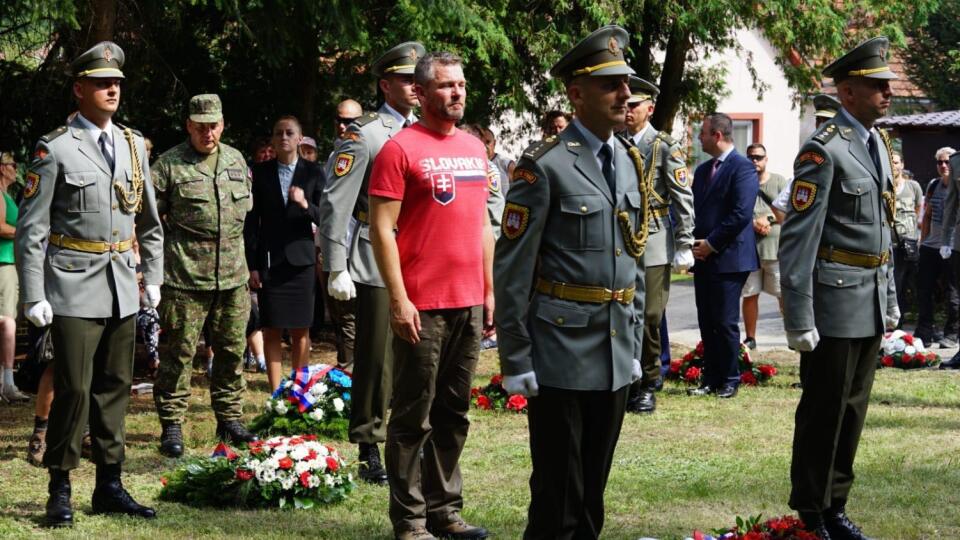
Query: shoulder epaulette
{"points": [[366, 118], [666, 138], [625, 140], [54, 134], [536, 150], [135, 131], [827, 132]]}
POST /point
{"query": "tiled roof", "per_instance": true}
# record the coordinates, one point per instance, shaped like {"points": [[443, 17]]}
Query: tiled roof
{"points": [[948, 119]]}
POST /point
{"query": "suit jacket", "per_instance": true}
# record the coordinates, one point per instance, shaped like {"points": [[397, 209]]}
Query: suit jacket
{"points": [[348, 175], [560, 224], [276, 231], [836, 201], [950, 231], [70, 191], [724, 212]]}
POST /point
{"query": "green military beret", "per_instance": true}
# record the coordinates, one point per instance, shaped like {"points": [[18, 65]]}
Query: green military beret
{"points": [[400, 60], [826, 106], [206, 108], [868, 59], [641, 90], [599, 54], [101, 61]]}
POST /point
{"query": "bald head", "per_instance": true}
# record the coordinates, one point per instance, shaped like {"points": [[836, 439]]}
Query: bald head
{"points": [[347, 111]]}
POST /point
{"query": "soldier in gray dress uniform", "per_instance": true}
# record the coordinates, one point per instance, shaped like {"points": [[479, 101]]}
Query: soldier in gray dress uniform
{"points": [[88, 185], [353, 270], [667, 180], [569, 283], [837, 284]]}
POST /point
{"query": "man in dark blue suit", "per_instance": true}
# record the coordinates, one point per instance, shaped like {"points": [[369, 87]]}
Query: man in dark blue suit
{"points": [[724, 192]]}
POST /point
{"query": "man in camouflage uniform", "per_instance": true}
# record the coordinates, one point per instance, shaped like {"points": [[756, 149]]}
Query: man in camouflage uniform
{"points": [[666, 176], [203, 193], [88, 185]]}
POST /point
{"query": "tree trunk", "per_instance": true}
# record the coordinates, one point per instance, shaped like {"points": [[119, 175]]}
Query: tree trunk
{"points": [[103, 20], [309, 67], [671, 81]]}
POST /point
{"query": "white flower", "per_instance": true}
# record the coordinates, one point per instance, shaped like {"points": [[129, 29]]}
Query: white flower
{"points": [[338, 404], [266, 475], [322, 387], [899, 346], [280, 408], [918, 343], [299, 452], [287, 483], [313, 481], [317, 414], [328, 479], [910, 349]]}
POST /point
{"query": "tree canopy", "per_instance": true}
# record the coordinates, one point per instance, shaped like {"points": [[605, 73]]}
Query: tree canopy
{"points": [[933, 58]]}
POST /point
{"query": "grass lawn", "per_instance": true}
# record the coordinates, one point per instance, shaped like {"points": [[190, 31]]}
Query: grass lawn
{"points": [[696, 463]]}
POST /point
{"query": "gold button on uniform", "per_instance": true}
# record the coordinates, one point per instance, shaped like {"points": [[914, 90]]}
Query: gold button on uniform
{"points": [[115, 233], [619, 252], [559, 320], [583, 209], [613, 333], [114, 257], [113, 206], [839, 282]]}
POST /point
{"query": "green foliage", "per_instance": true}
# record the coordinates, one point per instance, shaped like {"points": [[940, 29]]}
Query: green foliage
{"points": [[205, 482], [933, 58], [268, 425]]}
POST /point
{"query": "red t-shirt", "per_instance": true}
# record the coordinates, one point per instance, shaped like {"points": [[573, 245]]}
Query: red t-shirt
{"points": [[442, 181]]}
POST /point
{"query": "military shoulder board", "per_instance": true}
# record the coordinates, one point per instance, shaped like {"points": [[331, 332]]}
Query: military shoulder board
{"points": [[366, 119], [625, 140], [826, 133], [54, 134], [666, 138], [135, 132], [536, 150]]}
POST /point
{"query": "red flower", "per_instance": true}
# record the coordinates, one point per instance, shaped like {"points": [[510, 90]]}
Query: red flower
{"points": [[295, 440], [516, 403], [906, 358], [305, 479], [163, 480], [908, 339], [244, 474], [496, 379], [692, 374], [329, 448], [285, 463], [753, 535], [688, 357], [748, 378], [675, 366], [767, 370], [332, 464], [310, 437], [474, 392], [887, 360], [311, 455], [483, 402], [699, 349]]}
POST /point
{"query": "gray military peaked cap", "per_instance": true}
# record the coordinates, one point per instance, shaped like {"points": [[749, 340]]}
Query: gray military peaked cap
{"points": [[641, 90], [599, 54], [400, 60], [101, 61], [868, 59]]}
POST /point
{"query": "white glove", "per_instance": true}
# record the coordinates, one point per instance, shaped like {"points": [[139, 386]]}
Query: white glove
{"points": [[892, 318], [635, 373], [945, 252], [39, 313], [683, 258], [524, 384], [804, 341], [151, 296], [340, 285]]}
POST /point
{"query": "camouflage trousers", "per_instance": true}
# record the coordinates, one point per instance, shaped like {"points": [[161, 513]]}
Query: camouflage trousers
{"points": [[182, 316]]}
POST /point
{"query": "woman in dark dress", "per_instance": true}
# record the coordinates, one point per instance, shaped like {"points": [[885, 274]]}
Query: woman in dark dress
{"points": [[280, 247]]}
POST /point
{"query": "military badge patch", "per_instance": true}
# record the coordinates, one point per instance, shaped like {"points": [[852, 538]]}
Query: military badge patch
{"points": [[515, 220], [40, 153], [525, 175], [803, 195], [680, 177], [815, 157], [235, 174], [493, 180], [343, 164], [32, 185]]}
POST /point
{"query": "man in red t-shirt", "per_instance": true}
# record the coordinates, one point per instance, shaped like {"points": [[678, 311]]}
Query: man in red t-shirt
{"points": [[429, 183]]}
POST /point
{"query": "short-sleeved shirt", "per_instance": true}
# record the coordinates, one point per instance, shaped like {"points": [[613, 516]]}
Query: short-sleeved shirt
{"points": [[936, 193], [442, 181], [908, 200], [768, 245]]}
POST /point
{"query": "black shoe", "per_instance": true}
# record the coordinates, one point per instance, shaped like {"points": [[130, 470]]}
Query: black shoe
{"points": [[171, 440], [704, 390], [371, 468], [233, 432], [814, 523], [751, 343], [458, 529], [840, 527], [953, 363], [59, 513], [111, 498], [646, 401], [727, 392]]}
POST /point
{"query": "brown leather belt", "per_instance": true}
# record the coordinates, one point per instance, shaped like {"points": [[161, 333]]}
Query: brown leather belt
{"points": [[584, 293], [663, 211], [852, 258], [89, 246]]}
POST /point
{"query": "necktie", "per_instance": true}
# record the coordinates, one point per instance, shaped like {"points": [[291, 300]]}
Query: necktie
{"points": [[606, 158], [874, 153], [713, 170], [104, 141], [407, 122]]}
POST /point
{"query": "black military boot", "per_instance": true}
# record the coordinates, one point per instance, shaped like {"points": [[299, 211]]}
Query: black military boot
{"points": [[371, 468], [839, 525], [59, 513], [171, 440], [233, 432], [109, 497], [813, 522]]}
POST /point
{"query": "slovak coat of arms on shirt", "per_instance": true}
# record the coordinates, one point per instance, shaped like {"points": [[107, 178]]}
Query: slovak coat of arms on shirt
{"points": [[444, 187]]}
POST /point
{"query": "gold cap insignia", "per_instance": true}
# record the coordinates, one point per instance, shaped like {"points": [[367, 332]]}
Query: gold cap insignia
{"points": [[613, 45], [107, 55]]}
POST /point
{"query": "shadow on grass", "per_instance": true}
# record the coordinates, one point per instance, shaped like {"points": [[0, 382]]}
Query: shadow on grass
{"points": [[913, 422], [901, 400]]}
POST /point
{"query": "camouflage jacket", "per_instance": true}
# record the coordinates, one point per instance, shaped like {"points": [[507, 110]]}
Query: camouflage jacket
{"points": [[203, 213]]}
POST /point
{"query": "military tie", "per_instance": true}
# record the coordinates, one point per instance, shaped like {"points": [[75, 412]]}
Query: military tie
{"points": [[874, 153], [606, 157], [104, 141]]}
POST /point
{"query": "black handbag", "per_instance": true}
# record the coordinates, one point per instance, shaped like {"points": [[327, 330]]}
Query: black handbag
{"points": [[911, 249], [39, 354]]}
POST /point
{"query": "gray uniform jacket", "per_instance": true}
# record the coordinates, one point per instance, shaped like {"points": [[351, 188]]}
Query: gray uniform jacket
{"points": [[560, 224], [74, 196], [949, 232], [671, 185], [836, 201], [345, 195], [496, 183]]}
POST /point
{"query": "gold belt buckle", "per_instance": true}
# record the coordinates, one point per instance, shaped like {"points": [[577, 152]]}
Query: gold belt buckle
{"points": [[616, 296], [115, 246]]}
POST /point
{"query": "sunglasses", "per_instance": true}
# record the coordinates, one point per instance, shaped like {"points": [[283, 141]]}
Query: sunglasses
{"points": [[342, 120], [755, 157], [943, 162], [634, 105]]}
